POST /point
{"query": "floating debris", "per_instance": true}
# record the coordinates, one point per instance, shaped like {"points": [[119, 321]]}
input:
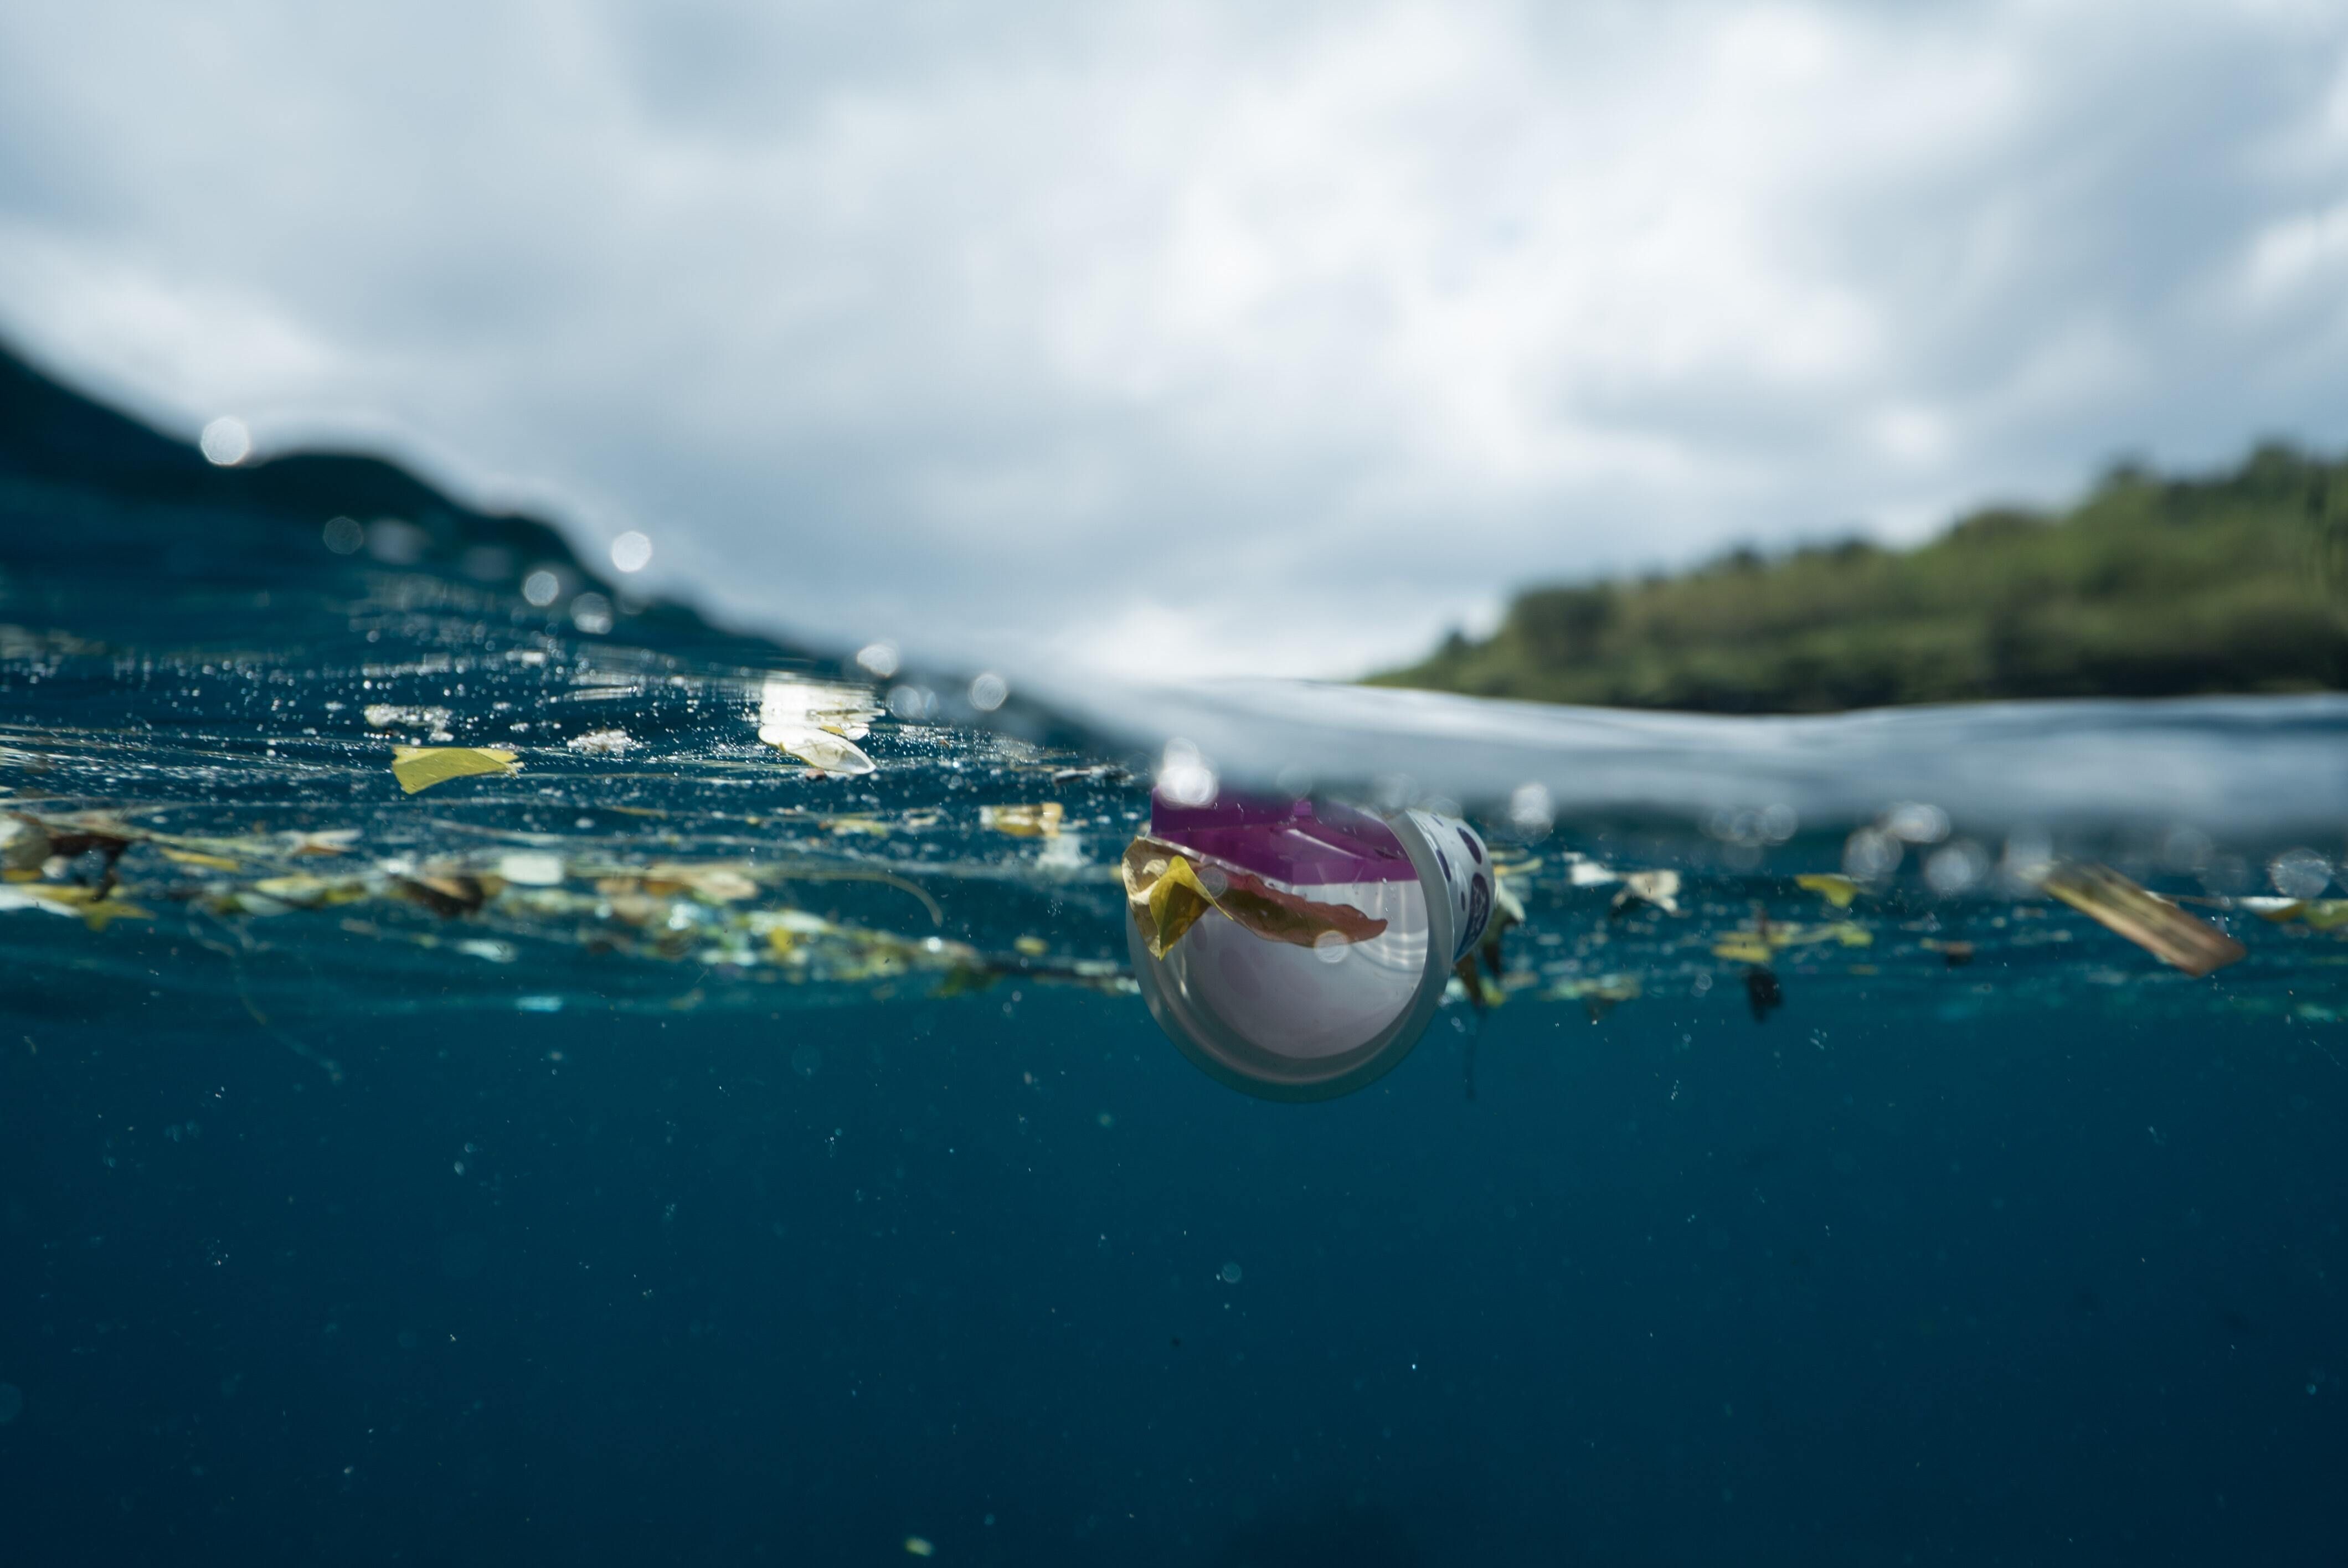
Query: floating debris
{"points": [[1755, 944], [1956, 955], [603, 743], [1598, 996], [1836, 890], [1763, 994], [819, 723], [97, 907], [2321, 914], [2152, 923], [434, 722], [421, 767], [330, 841], [24, 844], [531, 868], [1168, 893], [820, 750], [1657, 890], [1022, 821], [201, 860]]}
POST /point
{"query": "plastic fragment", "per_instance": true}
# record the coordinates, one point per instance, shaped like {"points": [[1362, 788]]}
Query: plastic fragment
{"points": [[820, 749], [2321, 914], [2181, 940], [421, 767], [1660, 889], [1755, 944], [1836, 890], [531, 868], [1022, 821], [198, 858], [1168, 895]]}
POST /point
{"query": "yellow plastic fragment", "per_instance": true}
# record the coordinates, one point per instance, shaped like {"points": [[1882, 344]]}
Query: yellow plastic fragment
{"points": [[197, 857], [421, 767], [2158, 927], [1754, 947], [1022, 821], [1838, 891], [96, 911]]}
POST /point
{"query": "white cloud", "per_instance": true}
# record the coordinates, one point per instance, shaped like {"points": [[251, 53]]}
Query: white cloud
{"points": [[1187, 337]]}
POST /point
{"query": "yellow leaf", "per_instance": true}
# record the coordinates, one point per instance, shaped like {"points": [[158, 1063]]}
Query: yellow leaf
{"points": [[1743, 947], [1032, 946], [421, 767], [1838, 891]]}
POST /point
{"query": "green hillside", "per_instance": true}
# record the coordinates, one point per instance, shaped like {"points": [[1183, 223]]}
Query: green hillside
{"points": [[2148, 587]]}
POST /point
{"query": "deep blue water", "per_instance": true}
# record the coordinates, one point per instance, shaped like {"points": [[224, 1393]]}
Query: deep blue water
{"points": [[1931, 1293], [673, 1155]]}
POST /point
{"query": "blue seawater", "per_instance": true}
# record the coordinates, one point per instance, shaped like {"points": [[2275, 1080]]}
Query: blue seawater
{"points": [[668, 1152]]}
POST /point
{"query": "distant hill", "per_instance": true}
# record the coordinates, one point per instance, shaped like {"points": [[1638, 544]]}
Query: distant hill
{"points": [[90, 497], [2234, 583]]}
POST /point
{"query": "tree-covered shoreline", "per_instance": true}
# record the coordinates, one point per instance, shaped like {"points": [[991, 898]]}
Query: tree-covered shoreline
{"points": [[2231, 582]]}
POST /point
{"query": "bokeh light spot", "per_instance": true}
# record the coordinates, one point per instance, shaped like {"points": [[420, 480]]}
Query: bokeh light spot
{"points": [[631, 551], [226, 441]]}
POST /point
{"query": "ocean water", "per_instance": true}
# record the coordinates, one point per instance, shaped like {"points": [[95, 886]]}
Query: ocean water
{"points": [[654, 1148]]}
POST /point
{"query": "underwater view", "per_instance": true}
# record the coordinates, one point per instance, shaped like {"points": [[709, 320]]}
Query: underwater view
{"points": [[496, 1070]]}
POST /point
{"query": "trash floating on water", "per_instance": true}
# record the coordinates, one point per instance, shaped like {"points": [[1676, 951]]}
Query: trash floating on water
{"points": [[1836, 890], [1766, 937], [2321, 914], [1659, 889], [2152, 923], [531, 868], [434, 722], [1023, 821], [24, 844], [421, 767], [1956, 955], [1601, 995], [1168, 894], [602, 744], [820, 750], [818, 723]]}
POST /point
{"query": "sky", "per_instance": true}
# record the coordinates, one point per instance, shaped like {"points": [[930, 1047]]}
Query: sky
{"points": [[1179, 340]]}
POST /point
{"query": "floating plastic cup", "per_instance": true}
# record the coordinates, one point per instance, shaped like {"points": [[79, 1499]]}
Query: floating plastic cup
{"points": [[1319, 938]]}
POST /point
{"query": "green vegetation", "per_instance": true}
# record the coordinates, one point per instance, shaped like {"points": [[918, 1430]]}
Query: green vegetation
{"points": [[2236, 582]]}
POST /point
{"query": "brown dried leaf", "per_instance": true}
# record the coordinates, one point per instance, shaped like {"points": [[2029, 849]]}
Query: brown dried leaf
{"points": [[2157, 926]]}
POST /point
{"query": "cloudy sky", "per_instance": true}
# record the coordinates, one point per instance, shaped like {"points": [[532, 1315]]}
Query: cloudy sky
{"points": [[1193, 338]]}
